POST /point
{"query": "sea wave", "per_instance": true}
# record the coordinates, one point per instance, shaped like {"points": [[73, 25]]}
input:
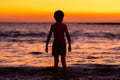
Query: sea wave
{"points": [[20, 34], [75, 34], [96, 35]]}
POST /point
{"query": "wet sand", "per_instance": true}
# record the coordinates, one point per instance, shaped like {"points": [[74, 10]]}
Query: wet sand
{"points": [[74, 72]]}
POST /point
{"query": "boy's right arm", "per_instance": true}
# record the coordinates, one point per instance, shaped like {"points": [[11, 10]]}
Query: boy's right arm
{"points": [[48, 39], [68, 38]]}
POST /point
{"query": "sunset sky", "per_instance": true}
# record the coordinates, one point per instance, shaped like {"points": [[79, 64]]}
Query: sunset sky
{"points": [[75, 10]]}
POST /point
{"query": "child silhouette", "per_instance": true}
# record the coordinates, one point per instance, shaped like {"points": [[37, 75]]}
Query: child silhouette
{"points": [[59, 44]]}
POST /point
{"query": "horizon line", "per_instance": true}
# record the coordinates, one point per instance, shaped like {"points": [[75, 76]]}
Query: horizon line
{"points": [[70, 22]]}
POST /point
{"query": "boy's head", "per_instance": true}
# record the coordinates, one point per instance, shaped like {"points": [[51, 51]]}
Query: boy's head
{"points": [[58, 15]]}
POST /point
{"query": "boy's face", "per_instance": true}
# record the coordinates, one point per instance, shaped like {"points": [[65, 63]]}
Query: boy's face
{"points": [[60, 20]]}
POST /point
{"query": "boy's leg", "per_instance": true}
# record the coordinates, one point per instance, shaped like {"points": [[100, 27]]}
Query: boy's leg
{"points": [[56, 61], [63, 61]]}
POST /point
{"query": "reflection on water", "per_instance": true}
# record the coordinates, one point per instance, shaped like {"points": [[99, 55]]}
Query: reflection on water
{"points": [[25, 54], [24, 44]]}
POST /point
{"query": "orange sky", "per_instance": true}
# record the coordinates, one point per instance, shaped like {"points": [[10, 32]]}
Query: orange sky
{"points": [[75, 11]]}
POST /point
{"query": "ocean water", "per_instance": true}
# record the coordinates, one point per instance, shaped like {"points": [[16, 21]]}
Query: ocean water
{"points": [[23, 44]]}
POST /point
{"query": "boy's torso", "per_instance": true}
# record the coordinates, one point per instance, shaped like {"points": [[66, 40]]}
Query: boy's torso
{"points": [[59, 30]]}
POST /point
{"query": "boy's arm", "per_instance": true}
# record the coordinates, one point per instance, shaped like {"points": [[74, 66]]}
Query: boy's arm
{"points": [[68, 38], [48, 39]]}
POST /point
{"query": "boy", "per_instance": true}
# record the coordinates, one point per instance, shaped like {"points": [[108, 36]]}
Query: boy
{"points": [[59, 44]]}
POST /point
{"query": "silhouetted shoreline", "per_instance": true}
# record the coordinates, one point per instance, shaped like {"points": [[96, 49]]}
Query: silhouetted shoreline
{"points": [[74, 72]]}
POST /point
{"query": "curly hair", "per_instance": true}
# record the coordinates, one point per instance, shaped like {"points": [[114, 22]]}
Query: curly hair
{"points": [[58, 15]]}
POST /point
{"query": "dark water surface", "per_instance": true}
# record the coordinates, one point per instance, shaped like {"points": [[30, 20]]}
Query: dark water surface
{"points": [[23, 44]]}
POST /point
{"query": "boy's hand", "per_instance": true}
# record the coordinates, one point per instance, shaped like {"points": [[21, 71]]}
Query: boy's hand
{"points": [[69, 49], [46, 49]]}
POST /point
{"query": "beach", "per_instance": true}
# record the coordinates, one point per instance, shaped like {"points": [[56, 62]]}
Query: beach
{"points": [[74, 72], [95, 52]]}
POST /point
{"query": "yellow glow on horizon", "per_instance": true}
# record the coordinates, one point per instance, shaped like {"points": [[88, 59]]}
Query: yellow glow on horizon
{"points": [[43, 8]]}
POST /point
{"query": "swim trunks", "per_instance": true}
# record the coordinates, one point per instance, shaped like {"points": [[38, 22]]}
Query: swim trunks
{"points": [[59, 48]]}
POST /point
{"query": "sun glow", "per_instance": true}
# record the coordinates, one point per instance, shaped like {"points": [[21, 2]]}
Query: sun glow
{"points": [[42, 10]]}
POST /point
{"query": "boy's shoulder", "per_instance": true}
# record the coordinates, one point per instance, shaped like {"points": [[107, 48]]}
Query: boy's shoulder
{"points": [[63, 24]]}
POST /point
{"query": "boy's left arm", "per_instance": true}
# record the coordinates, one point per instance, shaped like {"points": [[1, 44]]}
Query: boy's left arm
{"points": [[48, 39]]}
